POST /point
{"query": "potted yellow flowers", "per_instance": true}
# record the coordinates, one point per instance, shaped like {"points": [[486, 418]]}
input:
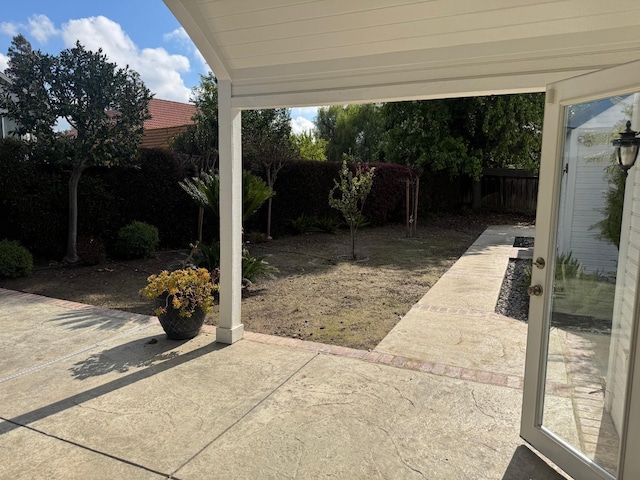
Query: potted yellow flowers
{"points": [[183, 298]]}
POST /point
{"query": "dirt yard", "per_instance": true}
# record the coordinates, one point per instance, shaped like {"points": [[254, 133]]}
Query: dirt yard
{"points": [[318, 295]]}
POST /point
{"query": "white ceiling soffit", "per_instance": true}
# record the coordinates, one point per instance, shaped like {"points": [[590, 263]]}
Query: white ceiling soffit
{"points": [[319, 52]]}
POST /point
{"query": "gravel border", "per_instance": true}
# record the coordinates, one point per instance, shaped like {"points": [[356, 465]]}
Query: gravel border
{"points": [[513, 300]]}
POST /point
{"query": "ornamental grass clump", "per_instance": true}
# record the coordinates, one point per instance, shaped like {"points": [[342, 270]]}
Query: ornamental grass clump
{"points": [[184, 290]]}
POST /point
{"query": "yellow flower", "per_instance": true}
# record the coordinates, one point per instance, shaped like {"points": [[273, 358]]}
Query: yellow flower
{"points": [[185, 290]]}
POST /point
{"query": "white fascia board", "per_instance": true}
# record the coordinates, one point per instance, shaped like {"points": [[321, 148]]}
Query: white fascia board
{"points": [[450, 88]]}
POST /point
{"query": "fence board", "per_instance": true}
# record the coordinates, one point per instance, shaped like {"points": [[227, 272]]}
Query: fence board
{"points": [[509, 190]]}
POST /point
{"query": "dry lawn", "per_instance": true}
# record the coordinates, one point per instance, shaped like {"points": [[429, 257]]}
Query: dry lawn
{"points": [[319, 293]]}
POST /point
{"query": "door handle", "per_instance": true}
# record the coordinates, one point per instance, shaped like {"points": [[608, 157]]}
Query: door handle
{"points": [[539, 262], [534, 290]]}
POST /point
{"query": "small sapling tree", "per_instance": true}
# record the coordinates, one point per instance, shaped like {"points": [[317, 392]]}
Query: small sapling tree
{"points": [[352, 191]]}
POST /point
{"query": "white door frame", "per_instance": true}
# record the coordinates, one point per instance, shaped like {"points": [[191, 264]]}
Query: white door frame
{"points": [[618, 80]]}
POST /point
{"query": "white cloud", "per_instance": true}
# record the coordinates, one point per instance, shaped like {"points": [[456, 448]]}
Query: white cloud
{"points": [[4, 62], [42, 28], [310, 113], [177, 34], [159, 69], [9, 28], [301, 124], [38, 26], [180, 36]]}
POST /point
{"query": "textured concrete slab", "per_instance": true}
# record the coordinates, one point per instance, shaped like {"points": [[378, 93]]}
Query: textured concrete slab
{"points": [[345, 418], [29, 455], [455, 321], [469, 292], [36, 330], [472, 340], [154, 405]]}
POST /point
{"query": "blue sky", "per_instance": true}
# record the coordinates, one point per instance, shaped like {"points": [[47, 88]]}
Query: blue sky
{"points": [[143, 34]]}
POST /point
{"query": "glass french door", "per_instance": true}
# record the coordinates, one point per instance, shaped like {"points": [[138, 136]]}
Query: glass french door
{"points": [[581, 402]]}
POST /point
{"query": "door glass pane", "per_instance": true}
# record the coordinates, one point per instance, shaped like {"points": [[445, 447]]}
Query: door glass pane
{"points": [[594, 285]]}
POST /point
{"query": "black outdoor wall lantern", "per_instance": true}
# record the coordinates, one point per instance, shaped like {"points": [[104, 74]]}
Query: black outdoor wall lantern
{"points": [[626, 148]]}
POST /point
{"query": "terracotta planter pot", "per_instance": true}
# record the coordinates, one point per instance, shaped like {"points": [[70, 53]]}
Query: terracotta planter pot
{"points": [[177, 327]]}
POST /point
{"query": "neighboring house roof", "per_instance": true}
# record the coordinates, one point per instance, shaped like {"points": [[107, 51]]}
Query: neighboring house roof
{"points": [[168, 119], [4, 78], [166, 114]]}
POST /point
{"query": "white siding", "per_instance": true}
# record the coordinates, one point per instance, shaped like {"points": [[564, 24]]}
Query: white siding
{"points": [[624, 307], [586, 188], [626, 292]]}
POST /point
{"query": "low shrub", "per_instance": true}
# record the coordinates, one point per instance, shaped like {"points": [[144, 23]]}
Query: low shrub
{"points": [[254, 266], [91, 250], [208, 256], [329, 224], [15, 260], [137, 240], [303, 224]]}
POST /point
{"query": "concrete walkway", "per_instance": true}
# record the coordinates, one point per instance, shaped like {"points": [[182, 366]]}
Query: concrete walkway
{"points": [[88, 393], [455, 322]]}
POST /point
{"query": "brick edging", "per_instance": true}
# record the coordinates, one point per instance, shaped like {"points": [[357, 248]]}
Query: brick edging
{"points": [[407, 363]]}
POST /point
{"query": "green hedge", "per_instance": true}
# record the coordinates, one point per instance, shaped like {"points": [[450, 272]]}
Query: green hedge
{"points": [[302, 188], [34, 200], [34, 193]]}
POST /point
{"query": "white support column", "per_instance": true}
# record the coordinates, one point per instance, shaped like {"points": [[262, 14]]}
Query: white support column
{"points": [[230, 328]]}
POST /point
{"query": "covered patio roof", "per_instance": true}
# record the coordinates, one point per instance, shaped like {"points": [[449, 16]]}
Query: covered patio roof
{"points": [[309, 52]]}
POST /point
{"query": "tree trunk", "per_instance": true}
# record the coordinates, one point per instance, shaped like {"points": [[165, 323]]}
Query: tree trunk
{"points": [[353, 241], [269, 218], [476, 196], [72, 233], [416, 195], [270, 181], [408, 209], [200, 222]]}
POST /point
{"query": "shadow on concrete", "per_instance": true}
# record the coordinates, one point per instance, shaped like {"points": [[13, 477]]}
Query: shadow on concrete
{"points": [[9, 424], [526, 465], [139, 353], [93, 317]]}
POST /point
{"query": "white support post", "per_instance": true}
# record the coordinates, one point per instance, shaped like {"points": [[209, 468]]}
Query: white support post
{"points": [[230, 328]]}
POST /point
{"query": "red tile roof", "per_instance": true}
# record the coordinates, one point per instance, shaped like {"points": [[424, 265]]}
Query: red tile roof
{"points": [[166, 113]]}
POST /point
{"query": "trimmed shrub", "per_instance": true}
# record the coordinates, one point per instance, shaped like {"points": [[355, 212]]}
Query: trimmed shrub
{"points": [[15, 260], [137, 240]]}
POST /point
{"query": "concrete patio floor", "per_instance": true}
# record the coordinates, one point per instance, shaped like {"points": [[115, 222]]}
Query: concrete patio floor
{"points": [[89, 393]]}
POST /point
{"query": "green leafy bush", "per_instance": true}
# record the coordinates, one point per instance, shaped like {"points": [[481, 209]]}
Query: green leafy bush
{"points": [[254, 266], [138, 240], [15, 260], [208, 256]]}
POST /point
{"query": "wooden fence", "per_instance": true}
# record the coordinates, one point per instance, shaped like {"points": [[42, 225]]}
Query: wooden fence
{"points": [[509, 190]]}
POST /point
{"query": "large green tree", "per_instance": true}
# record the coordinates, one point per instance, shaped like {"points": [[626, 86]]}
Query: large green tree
{"points": [[463, 135], [459, 135], [310, 146], [105, 106], [354, 130]]}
